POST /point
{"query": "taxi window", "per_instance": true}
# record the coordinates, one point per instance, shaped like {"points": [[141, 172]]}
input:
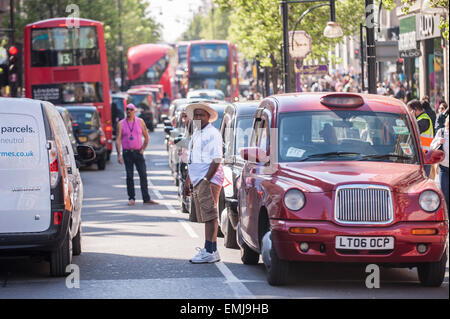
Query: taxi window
{"points": [[83, 120], [243, 133], [326, 135]]}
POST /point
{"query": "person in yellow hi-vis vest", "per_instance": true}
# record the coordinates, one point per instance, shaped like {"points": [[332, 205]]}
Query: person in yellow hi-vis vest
{"points": [[426, 129]]}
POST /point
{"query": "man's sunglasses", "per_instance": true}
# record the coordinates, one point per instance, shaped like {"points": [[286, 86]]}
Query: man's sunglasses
{"points": [[130, 109]]}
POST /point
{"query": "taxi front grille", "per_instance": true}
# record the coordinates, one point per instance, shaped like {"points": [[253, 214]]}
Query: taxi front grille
{"points": [[363, 204]]}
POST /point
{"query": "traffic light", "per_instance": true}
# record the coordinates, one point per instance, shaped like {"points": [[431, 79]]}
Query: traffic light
{"points": [[13, 64], [357, 56], [400, 66]]}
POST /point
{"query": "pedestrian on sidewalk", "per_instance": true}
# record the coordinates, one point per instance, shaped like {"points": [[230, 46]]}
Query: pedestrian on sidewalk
{"points": [[426, 128], [205, 173], [129, 136], [440, 141]]}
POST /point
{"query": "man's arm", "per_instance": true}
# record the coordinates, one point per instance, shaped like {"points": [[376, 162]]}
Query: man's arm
{"points": [[146, 136], [218, 145], [213, 168], [118, 142]]}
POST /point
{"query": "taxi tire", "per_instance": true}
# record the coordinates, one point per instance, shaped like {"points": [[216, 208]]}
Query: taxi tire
{"points": [[229, 239], [101, 164], [76, 243], [432, 274], [61, 258], [248, 255], [184, 209], [279, 271]]}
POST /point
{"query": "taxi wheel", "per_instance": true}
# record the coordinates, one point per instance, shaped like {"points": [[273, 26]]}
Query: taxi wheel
{"points": [[432, 274], [76, 243], [184, 209], [61, 258], [230, 240], [249, 256], [101, 164], [278, 271]]}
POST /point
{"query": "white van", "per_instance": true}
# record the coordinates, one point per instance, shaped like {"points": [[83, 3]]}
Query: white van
{"points": [[41, 192]]}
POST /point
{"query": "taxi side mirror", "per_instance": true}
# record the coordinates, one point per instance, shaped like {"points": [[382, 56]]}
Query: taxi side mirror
{"points": [[433, 157], [254, 154]]}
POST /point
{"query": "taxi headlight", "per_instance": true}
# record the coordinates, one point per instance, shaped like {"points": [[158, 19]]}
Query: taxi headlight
{"points": [[294, 199], [429, 201]]}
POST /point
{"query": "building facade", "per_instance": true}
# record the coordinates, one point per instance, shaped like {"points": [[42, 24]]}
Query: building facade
{"points": [[425, 50]]}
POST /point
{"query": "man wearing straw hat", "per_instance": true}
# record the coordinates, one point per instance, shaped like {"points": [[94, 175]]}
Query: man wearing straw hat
{"points": [[205, 173]]}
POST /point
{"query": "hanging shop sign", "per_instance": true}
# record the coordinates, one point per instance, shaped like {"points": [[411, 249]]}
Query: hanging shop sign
{"points": [[428, 26], [321, 69], [301, 45], [407, 43]]}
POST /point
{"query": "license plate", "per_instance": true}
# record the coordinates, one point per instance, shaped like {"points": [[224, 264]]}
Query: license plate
{"points": [[82, 139], [364, 243]]}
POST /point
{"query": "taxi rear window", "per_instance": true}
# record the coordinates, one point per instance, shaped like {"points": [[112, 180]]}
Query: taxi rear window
{"points": [[19, 141], [346, 135]]}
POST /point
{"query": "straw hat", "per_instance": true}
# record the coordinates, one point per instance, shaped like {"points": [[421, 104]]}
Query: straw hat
{"points": [[213, 115]]}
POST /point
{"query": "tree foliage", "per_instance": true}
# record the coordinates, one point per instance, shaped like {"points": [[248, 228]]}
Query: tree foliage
{"points": [[257, 26], [213, 26], [137, 26]]}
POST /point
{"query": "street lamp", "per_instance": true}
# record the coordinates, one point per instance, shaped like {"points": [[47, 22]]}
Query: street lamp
{"points": [[332, 30]]}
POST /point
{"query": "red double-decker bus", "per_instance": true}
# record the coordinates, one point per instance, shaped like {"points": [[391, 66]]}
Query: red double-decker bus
{"points": [[213, 64], [67, 65], [148, 64]]}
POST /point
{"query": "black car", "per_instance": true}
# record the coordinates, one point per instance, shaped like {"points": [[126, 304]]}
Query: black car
{"points": [[87, 129], [236, 131]]}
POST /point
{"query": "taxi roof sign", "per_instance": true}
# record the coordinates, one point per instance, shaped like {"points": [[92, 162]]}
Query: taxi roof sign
{"points": [[342, 100]]}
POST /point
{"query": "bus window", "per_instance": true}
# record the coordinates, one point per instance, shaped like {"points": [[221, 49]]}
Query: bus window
{"points": [[154, 73], [64, 47]]}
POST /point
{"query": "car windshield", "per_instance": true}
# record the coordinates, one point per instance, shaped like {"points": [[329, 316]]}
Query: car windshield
{"points": [[140, 101], [346, 135], [82, 119]]}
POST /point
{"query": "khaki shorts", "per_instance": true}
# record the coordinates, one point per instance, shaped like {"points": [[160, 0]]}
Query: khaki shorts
{"points": [[206, 196]]}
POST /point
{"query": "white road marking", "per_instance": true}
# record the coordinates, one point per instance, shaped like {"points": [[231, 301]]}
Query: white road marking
{"points": [[239, 289], [188, 228]]}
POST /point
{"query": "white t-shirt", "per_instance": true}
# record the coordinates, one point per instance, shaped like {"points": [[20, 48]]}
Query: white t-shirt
{"points": [[442, 133], [205, 146]]}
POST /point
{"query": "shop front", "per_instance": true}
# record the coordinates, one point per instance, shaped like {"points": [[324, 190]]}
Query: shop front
{"points": [[433, 46], [409, 54]]}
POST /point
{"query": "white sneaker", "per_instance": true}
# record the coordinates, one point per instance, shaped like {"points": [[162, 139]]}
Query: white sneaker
{"points": [[216, 256], [204, 257]]}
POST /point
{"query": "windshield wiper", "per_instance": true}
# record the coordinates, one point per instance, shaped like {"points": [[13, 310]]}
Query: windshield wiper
{"points": [[330, 154], [381, 156]]}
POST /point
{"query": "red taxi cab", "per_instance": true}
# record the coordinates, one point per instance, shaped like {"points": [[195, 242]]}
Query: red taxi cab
{"points": [[339, 177]]}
